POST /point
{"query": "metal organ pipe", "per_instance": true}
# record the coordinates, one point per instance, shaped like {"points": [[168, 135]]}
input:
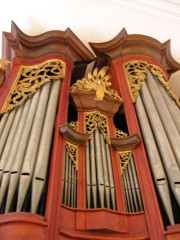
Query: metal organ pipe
{"points": [[32, 148], [3, 121], [111, 179], [167, 155], [18, 161], [65, 179], [88, 178], [172, 107], [105, 171], [165, 116], [133, 188], [42, 160], [5, 131], [99, 177], [13, 150], [159, 175], [69, 182], [30, 135], [136, 184], [9, 140], [93, 172], [99, 167]]}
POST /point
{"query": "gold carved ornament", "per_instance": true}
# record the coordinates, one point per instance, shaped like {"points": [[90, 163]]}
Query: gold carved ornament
{"points": [[156, 71], [97, 81], [74, 124], [124, 156], [30, 79], [124, 159], [136, 73], [94, 120], [4, 63], [72, 151]]}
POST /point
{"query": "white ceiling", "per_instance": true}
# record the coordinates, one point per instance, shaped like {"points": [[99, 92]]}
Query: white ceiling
{"points": [[167, 9], [98, 20]]}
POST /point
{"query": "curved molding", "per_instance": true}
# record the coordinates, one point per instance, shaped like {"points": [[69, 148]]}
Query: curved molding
{"points": [[137, 44], [23, 226], [73, 136], [125, 144], [86, 102], [19, 217], [128, 224], [65, 42]]}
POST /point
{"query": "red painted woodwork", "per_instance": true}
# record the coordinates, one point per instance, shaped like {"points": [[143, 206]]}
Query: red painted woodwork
{"points": [[151, 209], [153, 216], [23, 226], [57, 164], [2, 76], [99, 223], [81, 183], [61, 222], [85, 102]]}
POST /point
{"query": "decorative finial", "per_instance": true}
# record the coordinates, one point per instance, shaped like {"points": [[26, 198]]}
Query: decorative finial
{"points": [[97, 81]]}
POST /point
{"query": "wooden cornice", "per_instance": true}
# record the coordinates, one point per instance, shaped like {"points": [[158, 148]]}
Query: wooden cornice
{"points": [[136, 44], [18, 44]]}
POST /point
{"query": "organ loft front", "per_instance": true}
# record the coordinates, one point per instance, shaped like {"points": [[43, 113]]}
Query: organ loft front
{"points": [[89, 140]]}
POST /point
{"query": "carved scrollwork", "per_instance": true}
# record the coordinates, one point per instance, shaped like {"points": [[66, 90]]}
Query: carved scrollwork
{"points": [[124, 159], [30, 79], [136, 73], [73, 153], [94, 120], [120, 133], [156, 71]]}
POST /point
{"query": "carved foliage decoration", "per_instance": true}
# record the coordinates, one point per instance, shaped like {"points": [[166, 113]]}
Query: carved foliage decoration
{"points": [[94, 120], [136, 73], [124, 159], [73, 124], [120, 133], [97, 81], [30, 79], [73, 153]]}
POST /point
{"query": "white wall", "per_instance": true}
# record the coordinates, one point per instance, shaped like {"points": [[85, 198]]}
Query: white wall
{"points": [[96, 20]]}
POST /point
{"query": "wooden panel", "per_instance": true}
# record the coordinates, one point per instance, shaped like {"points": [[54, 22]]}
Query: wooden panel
{"points": [[22, 226], [173, 232], [102, 220]]}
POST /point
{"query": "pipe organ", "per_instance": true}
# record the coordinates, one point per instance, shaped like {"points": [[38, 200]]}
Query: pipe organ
{"points": [[89, 146]]}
